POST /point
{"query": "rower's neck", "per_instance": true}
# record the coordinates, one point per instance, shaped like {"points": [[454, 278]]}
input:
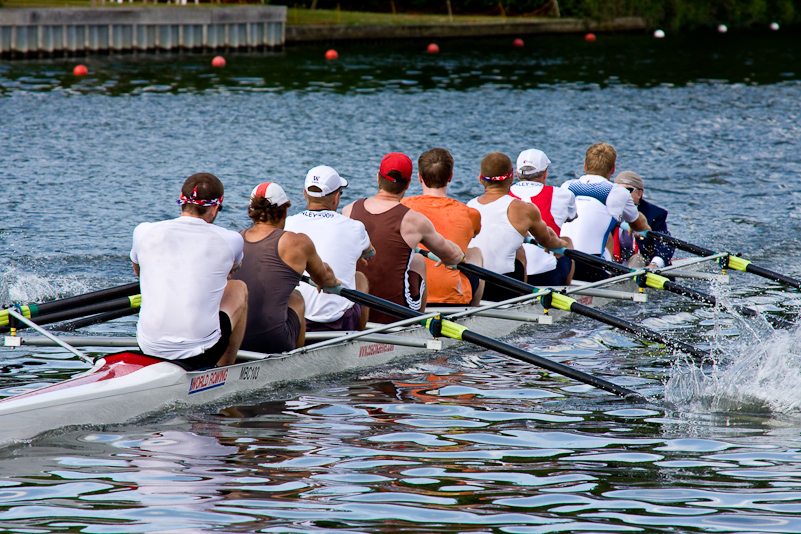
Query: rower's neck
{"points": [[493, 194], [385, 196], [435, 191]]}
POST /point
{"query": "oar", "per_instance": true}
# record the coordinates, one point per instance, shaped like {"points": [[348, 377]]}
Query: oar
{"points": [[656, 281], [94, 319], [123, 303], [443, 327], [646, 279], [731, 261], [563, 302]]}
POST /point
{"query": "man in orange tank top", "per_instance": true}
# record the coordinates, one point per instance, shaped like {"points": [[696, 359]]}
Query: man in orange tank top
{"points": [[396, 273], [454, 221]]}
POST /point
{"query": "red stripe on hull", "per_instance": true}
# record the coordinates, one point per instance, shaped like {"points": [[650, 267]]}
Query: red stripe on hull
{"points": [[115, 366]]}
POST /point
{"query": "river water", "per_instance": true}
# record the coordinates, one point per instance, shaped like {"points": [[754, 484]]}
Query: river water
{"points": [[467, 441]]}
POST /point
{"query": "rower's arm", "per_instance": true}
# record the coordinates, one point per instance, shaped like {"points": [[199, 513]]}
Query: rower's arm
{"points": [[544, 235], [135, 268], [641, 224]]}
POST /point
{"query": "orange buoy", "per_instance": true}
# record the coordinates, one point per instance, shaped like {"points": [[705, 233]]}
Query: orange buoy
{"points": [[590, 37], [80, 70], [331, 54], [218, 61], [433, 48], [518, 43]]}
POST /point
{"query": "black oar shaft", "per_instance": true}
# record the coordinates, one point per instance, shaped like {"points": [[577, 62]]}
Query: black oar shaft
{"points": [[86, 299], [772, 275], [64, 315], [539, 361], [681, 244], [581, 309], [95, 319], [492, 344]]}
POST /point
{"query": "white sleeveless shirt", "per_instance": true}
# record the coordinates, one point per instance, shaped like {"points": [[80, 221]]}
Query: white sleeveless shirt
{"points": [[340, 242], [498, 239]]}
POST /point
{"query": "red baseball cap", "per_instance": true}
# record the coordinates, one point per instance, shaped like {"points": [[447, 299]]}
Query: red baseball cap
{"points": [[395, 161]]}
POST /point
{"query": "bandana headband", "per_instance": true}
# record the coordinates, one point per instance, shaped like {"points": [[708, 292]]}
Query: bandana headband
{"points": [[192, 199], [497, 178]]}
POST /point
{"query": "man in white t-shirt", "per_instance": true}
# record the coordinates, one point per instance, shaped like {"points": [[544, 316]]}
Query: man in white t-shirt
{"points": [[556, 206], [340, 242], [601, 206], [191, 313]]}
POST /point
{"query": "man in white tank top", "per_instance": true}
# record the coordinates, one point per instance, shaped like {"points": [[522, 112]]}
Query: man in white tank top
{"points": [[190, 311], [505, 221], [556, 206], [341, 242], [601, 206]]}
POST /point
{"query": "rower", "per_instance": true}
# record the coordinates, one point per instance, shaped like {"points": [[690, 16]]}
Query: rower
{"points": [[274, 262], [454, 221], [556, 206], [396, 273], [191, 313], [633, 249], [341, 242], [505, 222], [601, 205]]}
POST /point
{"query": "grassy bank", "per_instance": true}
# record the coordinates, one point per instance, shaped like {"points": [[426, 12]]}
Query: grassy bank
{"points": [[668, 14]]}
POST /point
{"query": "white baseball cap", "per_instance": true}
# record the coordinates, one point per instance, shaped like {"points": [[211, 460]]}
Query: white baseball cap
{"points": [[272, 192], [533, 158], [324, 177]]}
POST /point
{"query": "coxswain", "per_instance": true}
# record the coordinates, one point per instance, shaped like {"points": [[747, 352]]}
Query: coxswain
{"points": [[397, 273], [556, 206], [341, 242], [601, 206], [274, 262], [454, 221], [505, 222], [633, 249], [191, 312]]}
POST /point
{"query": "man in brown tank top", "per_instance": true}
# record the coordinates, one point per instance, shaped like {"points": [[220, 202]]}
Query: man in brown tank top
{"points": [[274, 262], [396, 273]]}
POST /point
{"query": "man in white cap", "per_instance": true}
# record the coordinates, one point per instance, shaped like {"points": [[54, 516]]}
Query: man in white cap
{"points": [[341, 242], [556, 206], [633, 249], [274, 262], [191, 312]]}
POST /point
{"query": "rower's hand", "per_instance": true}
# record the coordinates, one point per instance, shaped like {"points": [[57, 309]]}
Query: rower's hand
{"points": [[322, 289], [369, 253], [452, 267]]}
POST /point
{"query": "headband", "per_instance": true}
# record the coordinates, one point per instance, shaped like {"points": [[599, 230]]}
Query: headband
{"points": [[192, 199], [497, 178]]}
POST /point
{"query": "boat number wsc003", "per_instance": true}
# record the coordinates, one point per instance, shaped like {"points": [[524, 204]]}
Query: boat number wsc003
{"points": [[249, 372]]}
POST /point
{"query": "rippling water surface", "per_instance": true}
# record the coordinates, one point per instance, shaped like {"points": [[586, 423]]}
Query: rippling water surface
{"points": [[467, 441]]}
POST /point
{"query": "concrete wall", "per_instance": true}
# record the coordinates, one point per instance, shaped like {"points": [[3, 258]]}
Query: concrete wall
{"points": [[58, 31]]}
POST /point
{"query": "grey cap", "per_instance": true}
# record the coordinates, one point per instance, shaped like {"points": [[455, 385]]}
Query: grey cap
{"points": [[630, 179]]}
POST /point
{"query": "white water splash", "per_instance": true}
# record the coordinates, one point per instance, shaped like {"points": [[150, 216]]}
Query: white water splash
{"points": [[18, 286], [757, 371]]}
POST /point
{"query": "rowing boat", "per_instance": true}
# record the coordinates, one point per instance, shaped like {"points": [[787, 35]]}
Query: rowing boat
{"points": [[129, 386]]}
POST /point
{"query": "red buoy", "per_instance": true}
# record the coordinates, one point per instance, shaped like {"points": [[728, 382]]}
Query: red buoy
{"points": [[433, 48], [590, 37], [218, 61], [80, 70], [331, 54], [518, 43]]}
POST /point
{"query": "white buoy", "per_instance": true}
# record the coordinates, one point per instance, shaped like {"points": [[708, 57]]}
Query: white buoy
{"points": [[722, 28], [659, 34], [774, 26]]}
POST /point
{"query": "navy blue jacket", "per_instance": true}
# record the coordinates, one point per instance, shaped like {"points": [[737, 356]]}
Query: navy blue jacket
{"points": [[657, 220]]}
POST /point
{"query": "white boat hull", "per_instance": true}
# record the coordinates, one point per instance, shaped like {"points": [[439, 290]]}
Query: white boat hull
{"points": [[129, 386]]}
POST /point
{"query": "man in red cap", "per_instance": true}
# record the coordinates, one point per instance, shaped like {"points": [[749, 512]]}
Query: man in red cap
{"points": [[274, 262], [396, 273]]}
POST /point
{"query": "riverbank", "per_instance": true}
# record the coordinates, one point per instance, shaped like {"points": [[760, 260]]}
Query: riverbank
{"points": [[493, 28]]}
